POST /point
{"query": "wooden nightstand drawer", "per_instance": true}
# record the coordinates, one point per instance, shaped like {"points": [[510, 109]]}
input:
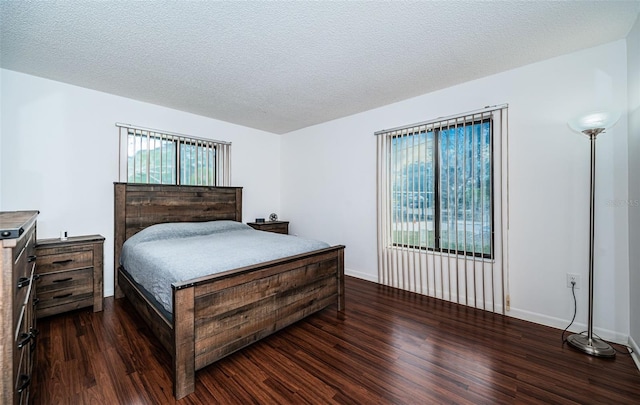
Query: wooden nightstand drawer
{"points": [[64, 291], [271, 226], [70, 273], [64, 260], [64, 280]]}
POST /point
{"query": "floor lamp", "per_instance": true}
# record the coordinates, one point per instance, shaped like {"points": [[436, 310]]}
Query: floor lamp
{"points": [[592, 125]]}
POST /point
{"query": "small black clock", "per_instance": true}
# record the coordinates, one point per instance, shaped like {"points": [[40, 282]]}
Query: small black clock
{"points": [[273, 217]]}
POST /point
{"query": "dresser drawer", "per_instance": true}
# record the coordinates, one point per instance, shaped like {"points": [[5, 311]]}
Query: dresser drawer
{"points": [[64, 261], [23, 290], [24, 265], [23, 360], [24, 348], [23, 377]]}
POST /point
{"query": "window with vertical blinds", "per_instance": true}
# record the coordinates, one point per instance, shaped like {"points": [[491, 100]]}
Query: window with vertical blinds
{"points": [[442, 205], [442, 188], [160, 157]]}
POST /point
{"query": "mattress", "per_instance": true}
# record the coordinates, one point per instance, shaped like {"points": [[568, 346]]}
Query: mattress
{"points": [[164, 254]]}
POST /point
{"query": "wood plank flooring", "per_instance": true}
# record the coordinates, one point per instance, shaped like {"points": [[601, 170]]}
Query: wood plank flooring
{"points": [[391, 347]]}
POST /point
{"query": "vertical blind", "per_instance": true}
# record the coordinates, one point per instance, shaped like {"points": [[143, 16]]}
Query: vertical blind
{"points": [[442, 189], [161, 157]]}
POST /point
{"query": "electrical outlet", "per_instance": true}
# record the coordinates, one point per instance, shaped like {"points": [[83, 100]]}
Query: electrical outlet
{"points": [[572, 277]]}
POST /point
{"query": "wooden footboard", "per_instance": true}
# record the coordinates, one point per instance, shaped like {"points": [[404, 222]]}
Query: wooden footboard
{"points": [[216, 316]]}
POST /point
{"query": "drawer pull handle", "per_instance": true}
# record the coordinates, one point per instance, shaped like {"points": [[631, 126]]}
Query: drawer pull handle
{"points": [[23, 282], [24, 339], [63, 296], [25, 381], [34, 333], [60, 262], [36, 301], [36, 276], [62, 280], [31, 258]]}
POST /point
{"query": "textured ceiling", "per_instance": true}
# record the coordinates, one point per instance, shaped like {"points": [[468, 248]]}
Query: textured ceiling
{"points": [[281, 66]]}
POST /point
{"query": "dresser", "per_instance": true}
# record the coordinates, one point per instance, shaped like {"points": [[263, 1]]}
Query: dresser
{"points": [[70, 274], [271, 226], [17, 301]]}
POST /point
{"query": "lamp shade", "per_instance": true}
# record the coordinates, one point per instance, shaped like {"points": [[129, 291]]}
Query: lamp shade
{"points": [[597, 119]]}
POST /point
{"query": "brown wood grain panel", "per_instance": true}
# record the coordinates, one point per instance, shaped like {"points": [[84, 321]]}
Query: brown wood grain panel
{"points": [[184, 353], [212, 309], [98, 276], [69, 304], [230, 322], [22, 277], [219, 336], [65, 280], [271, 226], [67, 261], [159, 325], [54, 298], [220, 351], [119, 229], [294, 312], [340, 279], [305, 295], [226, 299], [226, 331]]}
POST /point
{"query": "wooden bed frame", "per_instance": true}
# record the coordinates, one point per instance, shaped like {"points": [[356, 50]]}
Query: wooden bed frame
{"points": [[216, 315]]}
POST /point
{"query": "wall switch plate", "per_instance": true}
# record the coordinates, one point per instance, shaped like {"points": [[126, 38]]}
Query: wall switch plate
{"points": [[573, 277]]}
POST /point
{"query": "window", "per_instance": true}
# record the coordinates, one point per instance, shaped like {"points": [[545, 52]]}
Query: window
{"points": [[442, 189], [153, 157], [443, 207]]}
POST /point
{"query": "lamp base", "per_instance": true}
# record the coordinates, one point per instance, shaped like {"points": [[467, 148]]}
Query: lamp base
{"points": [[594, 346]]}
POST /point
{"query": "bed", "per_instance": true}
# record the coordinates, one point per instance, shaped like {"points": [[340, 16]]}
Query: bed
{"points": [[216, 315]]}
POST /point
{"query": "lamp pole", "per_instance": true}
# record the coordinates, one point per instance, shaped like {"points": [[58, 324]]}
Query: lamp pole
{"points": [[590, 344]]}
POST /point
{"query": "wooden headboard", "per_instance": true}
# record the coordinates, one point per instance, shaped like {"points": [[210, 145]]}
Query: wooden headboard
{"points": [[138, 206]]}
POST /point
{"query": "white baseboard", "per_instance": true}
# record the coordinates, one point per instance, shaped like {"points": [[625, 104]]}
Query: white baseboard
{"points": [[359, 274], [609, 335], [636, 351]]}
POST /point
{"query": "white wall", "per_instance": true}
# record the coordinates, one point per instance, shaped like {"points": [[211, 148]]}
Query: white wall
{"points": [[60, 155], [633, 69], [329, 190]]}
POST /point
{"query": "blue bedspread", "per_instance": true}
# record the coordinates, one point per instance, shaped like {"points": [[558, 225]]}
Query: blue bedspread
{"points": [[163, 254]]}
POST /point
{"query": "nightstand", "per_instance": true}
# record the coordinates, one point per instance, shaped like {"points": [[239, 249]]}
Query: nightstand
{"points": [[70, 274], [271, 226]]}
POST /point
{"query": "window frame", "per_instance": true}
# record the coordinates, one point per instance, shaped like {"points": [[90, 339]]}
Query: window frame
{"points": [[437, 190], [204, 162]]}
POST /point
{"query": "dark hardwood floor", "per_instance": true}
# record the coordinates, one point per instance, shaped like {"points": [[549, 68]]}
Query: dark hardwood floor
{"points": [[391, 347]]}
